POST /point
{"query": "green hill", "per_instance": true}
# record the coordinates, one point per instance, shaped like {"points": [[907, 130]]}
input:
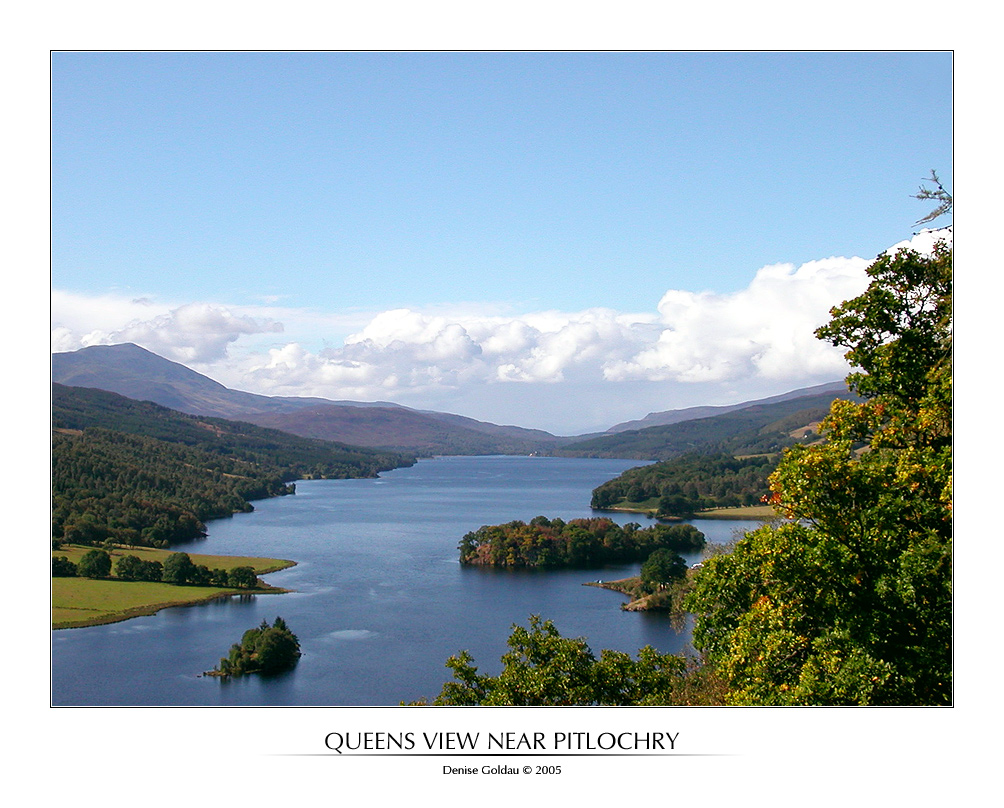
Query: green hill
{"points": [[137, 473], [758, 429], [132, 371], [688, 484]]}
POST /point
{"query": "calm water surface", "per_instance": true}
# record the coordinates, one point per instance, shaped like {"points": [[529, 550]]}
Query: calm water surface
{"points": [[380, 598]]}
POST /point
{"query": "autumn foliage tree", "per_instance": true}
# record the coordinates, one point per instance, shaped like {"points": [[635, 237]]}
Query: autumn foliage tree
{"points": [[851, 602]]}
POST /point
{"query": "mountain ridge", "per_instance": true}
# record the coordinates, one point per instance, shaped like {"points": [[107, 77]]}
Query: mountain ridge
{"points": [[135, 372], [667, 417]]}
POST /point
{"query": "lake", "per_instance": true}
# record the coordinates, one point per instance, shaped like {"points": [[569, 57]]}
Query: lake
{"points": [[380, 597]]}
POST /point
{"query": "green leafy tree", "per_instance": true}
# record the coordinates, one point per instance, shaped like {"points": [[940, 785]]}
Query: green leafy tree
{"points": [[277, 649], [178, 569], [264, 649], [852, 603], [542, 668], [242, 577], [95, 564], [662, 568], [62, 567], [129, 568], [678, 505]]}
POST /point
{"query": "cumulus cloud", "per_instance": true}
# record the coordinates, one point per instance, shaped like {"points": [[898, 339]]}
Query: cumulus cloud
{"points": [[759, 339], [197, 333], [545, 347], [765, 330]]}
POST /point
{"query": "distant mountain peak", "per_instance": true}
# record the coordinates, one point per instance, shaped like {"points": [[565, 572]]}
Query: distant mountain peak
{"points": [[134, 372], [667, 417]]}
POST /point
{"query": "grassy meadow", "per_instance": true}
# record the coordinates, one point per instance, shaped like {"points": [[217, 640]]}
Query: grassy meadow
{"points": [[78, 602], [650, 507]]}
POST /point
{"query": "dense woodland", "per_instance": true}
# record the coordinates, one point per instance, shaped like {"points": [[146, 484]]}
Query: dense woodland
{"points": [[691, 483], [550, 543], [136, 473], [759, 429], [543, 668]]}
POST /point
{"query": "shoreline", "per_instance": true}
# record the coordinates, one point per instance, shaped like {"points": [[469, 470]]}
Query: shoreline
{"points": [[626, 586], [743, 512], [153, 608]]}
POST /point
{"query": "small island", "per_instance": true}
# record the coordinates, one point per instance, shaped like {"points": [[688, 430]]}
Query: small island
{"points": [[553, 543], [265, 649]]}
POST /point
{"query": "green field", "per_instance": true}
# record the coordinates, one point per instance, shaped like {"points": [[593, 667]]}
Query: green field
{"points": [[744, 512], [78, 602], [650, 506]]}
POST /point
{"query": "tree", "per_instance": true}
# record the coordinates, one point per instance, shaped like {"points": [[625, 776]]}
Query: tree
{"points": [[95, 564], [938, 194], [62, 567], [264, 649], [677, 505], [662, 568], [277, 649], [242, 577], [129, 568], [542, 668], [852, 603], [178, 568]]}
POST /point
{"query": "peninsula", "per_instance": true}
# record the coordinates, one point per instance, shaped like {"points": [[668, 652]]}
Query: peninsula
{"points": [[82, 601]]}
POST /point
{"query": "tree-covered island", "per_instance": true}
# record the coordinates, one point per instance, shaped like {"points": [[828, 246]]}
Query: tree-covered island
{"points": [[686, 485], [266, 649], [551, 543]]}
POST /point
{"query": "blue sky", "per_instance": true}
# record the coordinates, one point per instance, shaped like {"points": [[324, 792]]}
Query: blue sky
{"points": [[496, 234]]}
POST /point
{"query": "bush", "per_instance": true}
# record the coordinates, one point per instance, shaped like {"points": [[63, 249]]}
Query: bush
{"points": [[63, 568]]}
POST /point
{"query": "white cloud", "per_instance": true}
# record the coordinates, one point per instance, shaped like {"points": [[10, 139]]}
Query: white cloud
{"points": [[765, 330], [756, 341], [197, 333], [924, 241]]}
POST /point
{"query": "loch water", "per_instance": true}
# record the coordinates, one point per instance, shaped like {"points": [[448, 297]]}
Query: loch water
{"points": [[380, 599]]}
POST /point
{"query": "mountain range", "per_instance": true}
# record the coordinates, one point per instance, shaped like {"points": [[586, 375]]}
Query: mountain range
{"points": [[691, 413], [137, 373]]}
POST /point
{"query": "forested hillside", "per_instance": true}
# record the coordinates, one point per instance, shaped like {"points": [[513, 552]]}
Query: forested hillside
{"points": [[759, 429], [144, 376], [690, 483], [137, 473]]}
